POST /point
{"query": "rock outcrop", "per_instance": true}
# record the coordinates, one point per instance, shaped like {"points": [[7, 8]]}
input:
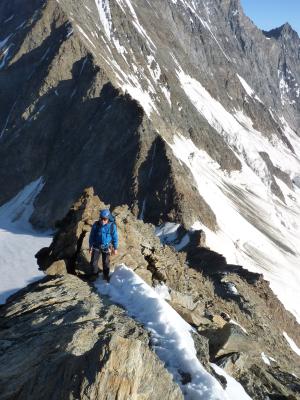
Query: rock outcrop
{"points": [[60, 340], [212, 296]]}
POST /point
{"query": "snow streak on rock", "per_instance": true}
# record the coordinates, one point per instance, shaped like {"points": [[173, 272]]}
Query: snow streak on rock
{"points": [[105, 16], [250, 92], [292, 344]]}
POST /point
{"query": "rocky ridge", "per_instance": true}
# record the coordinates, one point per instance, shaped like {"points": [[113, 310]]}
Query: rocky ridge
{"points": [[230, 308]]}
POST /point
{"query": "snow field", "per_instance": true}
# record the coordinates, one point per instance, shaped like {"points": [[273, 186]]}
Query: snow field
{"points": [[170, 335], [255, 230], [19, 242]]}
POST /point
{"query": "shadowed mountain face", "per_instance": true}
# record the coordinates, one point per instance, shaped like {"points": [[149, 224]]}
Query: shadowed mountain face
{"points": [[94, 93]]}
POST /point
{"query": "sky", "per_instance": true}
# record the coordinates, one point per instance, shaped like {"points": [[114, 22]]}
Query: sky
{"points": [[269, 14]]}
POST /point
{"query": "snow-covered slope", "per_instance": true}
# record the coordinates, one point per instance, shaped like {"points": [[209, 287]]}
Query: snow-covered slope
{"points": [[256, 229], [170, 336], [19, 242]]}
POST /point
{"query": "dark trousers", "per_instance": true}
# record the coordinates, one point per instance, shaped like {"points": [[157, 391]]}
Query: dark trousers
{"points": [[105, 261]]}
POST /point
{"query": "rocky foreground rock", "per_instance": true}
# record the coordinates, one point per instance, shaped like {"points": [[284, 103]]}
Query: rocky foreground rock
{"points": [[231, 308], [60, 340]]}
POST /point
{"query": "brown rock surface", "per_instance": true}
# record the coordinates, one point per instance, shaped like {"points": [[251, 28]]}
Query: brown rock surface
{"points": [[60, 340]]}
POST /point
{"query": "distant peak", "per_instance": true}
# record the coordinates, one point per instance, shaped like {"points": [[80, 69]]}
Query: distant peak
{"points": [[284, 30]]}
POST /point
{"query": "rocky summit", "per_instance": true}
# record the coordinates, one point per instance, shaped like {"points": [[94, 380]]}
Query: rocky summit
{"points": [[182, 117]]}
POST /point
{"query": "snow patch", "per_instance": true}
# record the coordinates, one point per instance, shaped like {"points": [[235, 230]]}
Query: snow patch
{"points": [[234, 390], [105, 16], [167, 232], [232, 288], [265, 359], [250, 92], [251, 232], [19, 242], [163, 291], [292, 344], [5, 55], [232, 321]]}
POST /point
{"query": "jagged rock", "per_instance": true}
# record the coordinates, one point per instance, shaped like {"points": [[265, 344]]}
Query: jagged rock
{"points": [[183, 300], [198, 238], [230, 339], [262, 384], [57, 268], [193, 317], [139, 248], [59, 339], [218, 321], [197, 292]]}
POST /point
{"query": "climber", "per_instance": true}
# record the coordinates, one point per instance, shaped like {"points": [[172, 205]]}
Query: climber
{"points": [[103, 240]]}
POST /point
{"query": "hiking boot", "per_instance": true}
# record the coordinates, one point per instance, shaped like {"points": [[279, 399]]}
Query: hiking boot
{"points": [[106, 278]]}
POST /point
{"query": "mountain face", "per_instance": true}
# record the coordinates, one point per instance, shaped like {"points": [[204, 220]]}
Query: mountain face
{"points": [[183, 110], [91, 88]]}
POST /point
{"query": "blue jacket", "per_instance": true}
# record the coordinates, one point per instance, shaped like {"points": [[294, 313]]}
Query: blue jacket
{"points": [[102, 236]]}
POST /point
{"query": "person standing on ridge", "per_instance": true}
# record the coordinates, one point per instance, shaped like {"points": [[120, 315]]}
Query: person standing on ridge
{"points": [[103, 240]]}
